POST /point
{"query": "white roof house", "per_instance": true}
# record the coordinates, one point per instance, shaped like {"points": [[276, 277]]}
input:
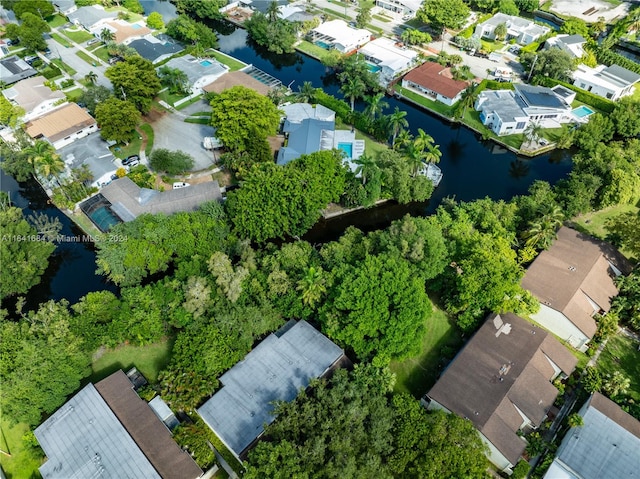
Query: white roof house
{"points": [[405, 8], [522, 30], [199, 71], [340, 36], [388, 58], [613, 82], [572, 44], [33, 97], [606, 446], [89, 16]]}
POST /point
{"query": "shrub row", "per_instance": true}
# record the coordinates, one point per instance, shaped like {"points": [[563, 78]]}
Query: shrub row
{"points": [[609, 58]]}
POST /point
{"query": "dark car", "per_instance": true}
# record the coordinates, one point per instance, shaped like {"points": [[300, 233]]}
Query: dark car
{"points": [[131, 159]]}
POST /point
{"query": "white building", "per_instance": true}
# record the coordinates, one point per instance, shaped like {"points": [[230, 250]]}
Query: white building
{"points": [[62, 126], [507, 112], [612, 82], [435, 82], [200, 72], [404, 8], [33, 97], [572, 44], [336, 34], [387, 59], [522, 30]]}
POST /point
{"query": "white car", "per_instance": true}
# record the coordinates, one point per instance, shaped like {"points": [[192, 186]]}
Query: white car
{"points": [[180, 184]]}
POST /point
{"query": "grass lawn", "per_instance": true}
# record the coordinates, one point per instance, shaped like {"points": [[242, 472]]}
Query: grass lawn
{"points": [[133, 148], [102, 54], [24, 461], [416, 375], [63, 66], [87, 58], [133, 17], [382, 19], [74, 94], [432, 105], [148, 130], [149, 360], [78, 36], [56, 20], [621, 354], [373, 28], [636, 93], [232, 63], [95, 46], [371, 146], [491, 45], [190, 102], [198, 120], [336, 14], [62, 41], [312, 50], [170, 98]]}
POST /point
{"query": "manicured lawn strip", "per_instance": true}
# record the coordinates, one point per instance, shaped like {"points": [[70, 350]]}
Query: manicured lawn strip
{"points": [[63, 66], [416, 375], [148, 130], [86, 58], [56, 20], [170, 98], [312, 50], [382, 19], [198, 120], [102, 54], [78, 36], [74, 94], [24, 461], [373, 28], [190, 102], [62, 41], [133, 148], [621, 354], [149, 360], [337, 2], [95, 46], [232, 63], [432, 105], [336, 14]]}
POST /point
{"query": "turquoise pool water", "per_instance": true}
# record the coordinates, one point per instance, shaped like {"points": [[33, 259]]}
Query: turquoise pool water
{"points": [[582, 111], [206, 63], [347, 148], [104, 218], [324, 45], [373, 68]]}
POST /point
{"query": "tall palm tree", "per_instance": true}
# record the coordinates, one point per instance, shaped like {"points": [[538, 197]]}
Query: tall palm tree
{"points": [[312, 285], [107, 35], [423, 140], [353, 88], [533, 132], [306, 92], [272, 12], [416, 158], [542, 231], [375, 105], [397, 123], [50, 165], [91, 77], [403, 139], [367, 166], [433, 154], [467, 99]]}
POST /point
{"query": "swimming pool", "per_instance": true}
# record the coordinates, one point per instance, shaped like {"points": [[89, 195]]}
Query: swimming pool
{"points": [[324, 45], [582, 111], [206, 63], [104, 218], [347, 148], [373, 68]]}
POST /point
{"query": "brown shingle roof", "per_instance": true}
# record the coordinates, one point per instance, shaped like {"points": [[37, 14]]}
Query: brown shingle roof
{"points": [[60, 123], [499, 370], [149, 433], [125, 30], [436, 78], [573, 269], [231, 79]]}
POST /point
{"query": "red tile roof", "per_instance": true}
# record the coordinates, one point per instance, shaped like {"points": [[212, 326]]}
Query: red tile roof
{"points": [[437, 78]]}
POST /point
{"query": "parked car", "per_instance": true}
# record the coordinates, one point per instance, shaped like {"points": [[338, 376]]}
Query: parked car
{"points": [[30, 59], [180, 184], [114, 60], [543, 141], [92, 41], [131, 159]]}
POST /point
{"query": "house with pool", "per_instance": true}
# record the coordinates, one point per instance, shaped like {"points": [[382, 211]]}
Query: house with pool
{"points": [[200, 72], [388, 58], [611, 82], [310, 128], [521, 30], [338, 35]]}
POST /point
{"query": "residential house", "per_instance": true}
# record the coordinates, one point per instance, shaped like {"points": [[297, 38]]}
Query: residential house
{"points": [[200, 72], [405, 8], [123, 201], [506, 112], [435, 82], [88, 17], [92, 151], [338, 35], [310, 128], [613, 82], [62, 126], [156, 48], [572, 44], [65, 7], [387, 58], [106, 430], [232, 79], [275, 370], [295, 13], [502, 382], [34, 97], [521, 30], [14, 69], [573, 280], [123, 31], [4, 48], [606, 446]]}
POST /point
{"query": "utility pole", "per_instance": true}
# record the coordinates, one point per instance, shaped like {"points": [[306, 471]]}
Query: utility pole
{"points": [[124, 95], [532, 65]]}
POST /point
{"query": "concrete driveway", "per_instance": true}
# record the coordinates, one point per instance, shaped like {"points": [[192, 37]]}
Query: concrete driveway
{"points": [[172, 133]]}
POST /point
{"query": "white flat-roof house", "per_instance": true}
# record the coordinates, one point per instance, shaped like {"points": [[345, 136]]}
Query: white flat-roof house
{"points": [[405, 8], [34, 97], [338, 35], [387, 58], [200, 72], [87, 17], [507, 112], [572, 44], [522, 30], [613, 82]]}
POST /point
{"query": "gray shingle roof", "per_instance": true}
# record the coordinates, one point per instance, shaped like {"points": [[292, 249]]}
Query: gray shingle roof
{"points": [[152, 51], [14, 68], [276, 369], [90, 15], [573, 39]]}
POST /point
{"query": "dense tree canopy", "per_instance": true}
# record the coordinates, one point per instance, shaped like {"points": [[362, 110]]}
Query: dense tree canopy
{"points": [[118, 119], [553, 63], [186, 29], [136, 80], [275, 34], [443, 13], [154, 20], [171, 162], [93, 95], [9, 113]]}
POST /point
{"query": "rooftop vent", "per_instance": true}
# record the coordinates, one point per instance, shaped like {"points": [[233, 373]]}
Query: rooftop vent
{"points": [[504, 329], [572, 268]]}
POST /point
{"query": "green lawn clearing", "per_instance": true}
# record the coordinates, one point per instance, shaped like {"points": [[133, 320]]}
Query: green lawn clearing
{"points": [[63, 66], [24, 461], [87, 58], [170, 98], [336, 13], [431, 105], [149, 360], [491, 45], [312, 50], [56, 20], [148, 130], [133, 148], [189, 102], [416, 375], [594, 223], [621, 354], [371, 146], [102, 54], [382, 19], [73, 95], [78, 36], [62, 41], [232, 63]]}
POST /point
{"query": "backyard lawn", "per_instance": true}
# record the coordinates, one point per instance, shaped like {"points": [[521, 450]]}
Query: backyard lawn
{"points": [[371, 146], [432, 105], [312, 50], [56, 20], [24, 461], [621, 354], [416, 375], [232, 63], [78, 36], [149, 360]]}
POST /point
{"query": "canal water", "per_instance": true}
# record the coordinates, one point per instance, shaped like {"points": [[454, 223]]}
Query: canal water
{"points": [[472, 169]]}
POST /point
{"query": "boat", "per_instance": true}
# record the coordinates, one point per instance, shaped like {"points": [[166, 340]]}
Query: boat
{"points": [[433, 172]]}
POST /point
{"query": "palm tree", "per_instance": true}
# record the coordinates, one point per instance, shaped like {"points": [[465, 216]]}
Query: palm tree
{"points": [[533, 132], [50, 165], [353, 88], [467, 99], [306, 92], [107, 35], [433, 154], [403, 139], [415, 156], [367, 166], [312, 285], [423, 140], [397, 123], [91, 77], [541, 232], [272, 12], [375, 105]]}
